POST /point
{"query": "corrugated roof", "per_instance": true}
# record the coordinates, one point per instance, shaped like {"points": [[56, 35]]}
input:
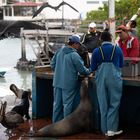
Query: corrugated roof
{"points": [[27, 4]]}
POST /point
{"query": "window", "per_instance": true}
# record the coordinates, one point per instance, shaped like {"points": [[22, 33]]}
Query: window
{"points": [[92, 2], [3, 1]]}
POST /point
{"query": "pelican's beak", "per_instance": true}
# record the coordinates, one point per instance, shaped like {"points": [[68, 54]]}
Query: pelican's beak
{"points": [[18, 92], [29, 96]]}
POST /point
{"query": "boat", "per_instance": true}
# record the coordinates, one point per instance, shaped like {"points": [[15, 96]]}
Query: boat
{"points": [[19, 10], [18, 15], [2, 73]]}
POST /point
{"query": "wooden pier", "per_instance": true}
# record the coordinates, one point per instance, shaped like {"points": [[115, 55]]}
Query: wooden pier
{"points": [[42, 43]]}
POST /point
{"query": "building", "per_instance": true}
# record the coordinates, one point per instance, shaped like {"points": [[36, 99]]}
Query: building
{"points": [[93, 5], [83, 6], [99, 2], [18, 9], [25, 8]]}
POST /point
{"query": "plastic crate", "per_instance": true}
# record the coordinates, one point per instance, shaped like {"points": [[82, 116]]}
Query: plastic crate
{"points": [[138, 67], [131, 69]]}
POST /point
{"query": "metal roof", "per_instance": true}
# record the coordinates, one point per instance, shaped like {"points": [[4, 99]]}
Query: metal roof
{"points": [[33, 4]]}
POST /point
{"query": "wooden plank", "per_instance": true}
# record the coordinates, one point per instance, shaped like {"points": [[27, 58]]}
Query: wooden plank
{"points": [[50, 32], [48, 74], [43, 69]]}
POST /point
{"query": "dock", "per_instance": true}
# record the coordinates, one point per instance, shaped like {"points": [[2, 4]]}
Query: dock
{"points": [[42, 98], [44, 44], [130, 133]]}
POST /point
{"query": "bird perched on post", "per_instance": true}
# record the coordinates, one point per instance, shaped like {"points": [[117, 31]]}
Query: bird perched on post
{"points": [[46, 4]]}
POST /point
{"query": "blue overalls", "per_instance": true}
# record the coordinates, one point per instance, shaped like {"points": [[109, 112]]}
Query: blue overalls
{"points": [[109, 91]]}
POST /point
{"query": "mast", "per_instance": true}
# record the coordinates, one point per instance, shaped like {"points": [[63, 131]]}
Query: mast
{"points": [[62, 16]]}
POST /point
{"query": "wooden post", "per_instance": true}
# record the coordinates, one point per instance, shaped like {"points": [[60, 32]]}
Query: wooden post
{"points": [[112, 18], [12, 9], [62, 16], [23, 49], [46, 44]]}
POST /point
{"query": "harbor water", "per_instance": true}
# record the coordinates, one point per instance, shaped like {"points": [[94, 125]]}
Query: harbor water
{"points": [[10, 53]]}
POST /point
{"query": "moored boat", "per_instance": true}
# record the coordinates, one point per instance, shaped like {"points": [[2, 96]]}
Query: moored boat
{"points": [[19, 10], [2, 73]]}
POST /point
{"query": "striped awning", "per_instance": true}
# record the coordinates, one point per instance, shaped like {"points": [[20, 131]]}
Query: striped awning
{"points": [[30, 4]]}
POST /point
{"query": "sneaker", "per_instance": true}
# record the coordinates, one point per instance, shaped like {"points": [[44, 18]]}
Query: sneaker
{"points": [[112, 133]]}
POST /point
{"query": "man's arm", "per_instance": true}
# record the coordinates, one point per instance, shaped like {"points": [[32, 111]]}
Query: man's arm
{"points": [[134, 52]]}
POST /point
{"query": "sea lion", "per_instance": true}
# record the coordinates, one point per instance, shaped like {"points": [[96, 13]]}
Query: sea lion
{"points": [[77, 121]]}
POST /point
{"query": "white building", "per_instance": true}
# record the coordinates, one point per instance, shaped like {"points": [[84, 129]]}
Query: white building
{"points": [[3, 2], [83, 6], [19, 10]]}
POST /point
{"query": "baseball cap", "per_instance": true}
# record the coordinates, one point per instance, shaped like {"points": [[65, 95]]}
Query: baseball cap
{"points": [[92, 25], [121, 28], [74, 39]]}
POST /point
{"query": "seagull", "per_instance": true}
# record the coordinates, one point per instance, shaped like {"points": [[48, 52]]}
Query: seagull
{"points": [[46, 4]]}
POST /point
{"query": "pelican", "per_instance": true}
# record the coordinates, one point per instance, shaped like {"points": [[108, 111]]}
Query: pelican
{"points": [[9, 120]]}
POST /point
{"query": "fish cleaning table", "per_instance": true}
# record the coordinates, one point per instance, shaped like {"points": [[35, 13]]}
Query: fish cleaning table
{"points": [[42, 97]]}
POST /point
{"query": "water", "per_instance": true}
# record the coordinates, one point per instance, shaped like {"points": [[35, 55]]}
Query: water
{"points": [[10, 52]]}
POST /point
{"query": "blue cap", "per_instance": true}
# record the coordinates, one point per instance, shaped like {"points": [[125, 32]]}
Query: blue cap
{"points": [[74, 39]]}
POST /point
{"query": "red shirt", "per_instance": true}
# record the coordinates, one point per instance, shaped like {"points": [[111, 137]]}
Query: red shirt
{"points": [[130, 47]]}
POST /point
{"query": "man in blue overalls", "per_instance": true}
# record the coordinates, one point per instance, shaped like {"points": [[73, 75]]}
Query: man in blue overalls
{"points": [[66, 64], [106, 61]]}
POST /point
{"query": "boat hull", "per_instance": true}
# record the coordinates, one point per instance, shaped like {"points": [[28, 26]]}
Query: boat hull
{"points": [[2, 73]]}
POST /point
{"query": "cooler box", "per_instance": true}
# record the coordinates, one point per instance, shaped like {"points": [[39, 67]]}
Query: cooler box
{"points": [[138, 67], [131, 69]]}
